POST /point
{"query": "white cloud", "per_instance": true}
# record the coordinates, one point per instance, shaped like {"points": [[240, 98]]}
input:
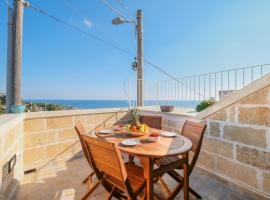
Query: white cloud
{"points": [[87, 23]]}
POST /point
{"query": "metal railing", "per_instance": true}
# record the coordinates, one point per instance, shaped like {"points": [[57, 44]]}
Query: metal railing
{"points": [[189, 90]]}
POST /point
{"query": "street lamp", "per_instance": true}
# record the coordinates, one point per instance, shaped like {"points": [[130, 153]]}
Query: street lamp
{"points": [[139, 58], [120, 20]]}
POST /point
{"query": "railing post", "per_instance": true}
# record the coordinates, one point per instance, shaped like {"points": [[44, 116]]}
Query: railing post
{"points": [[228, 81], [178, 94], [129, 93], [189, 88], [235, 75], [215, 86], [186, 89], [251, 73], [194, 88], [199, 87], [157, 99], [209, 85], [243, 77], [221, 79], [182, 91], [204, 86]]}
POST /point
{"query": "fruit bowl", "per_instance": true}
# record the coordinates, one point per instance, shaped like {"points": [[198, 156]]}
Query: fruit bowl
{"points": [[137, 128]]}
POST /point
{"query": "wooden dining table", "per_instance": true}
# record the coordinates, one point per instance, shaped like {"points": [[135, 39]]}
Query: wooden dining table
{"points": [[148, 151]]}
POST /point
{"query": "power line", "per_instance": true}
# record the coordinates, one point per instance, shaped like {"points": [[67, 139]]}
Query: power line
{"points": [[106, 43], [121, 2], [7, 3], [74, 8], [172, 77], [114, 10], [79, 29]]}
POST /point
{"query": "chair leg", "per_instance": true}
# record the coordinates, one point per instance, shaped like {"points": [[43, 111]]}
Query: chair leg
{"points": [[111, 193], [91, 190], [176, 191], [164, 186], [175, 176], [130, 159], [89, 177], [86, 179], [157, 197], [143, 196], [194, 193]]}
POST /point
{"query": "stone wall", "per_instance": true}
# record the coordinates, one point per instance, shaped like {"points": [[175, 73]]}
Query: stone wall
{"points": [[11, 144], [237, 142], [236, 146], [51, 135]]}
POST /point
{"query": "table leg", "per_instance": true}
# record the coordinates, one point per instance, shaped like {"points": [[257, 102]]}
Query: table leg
{"points": [[186, 177], [148, 165]]}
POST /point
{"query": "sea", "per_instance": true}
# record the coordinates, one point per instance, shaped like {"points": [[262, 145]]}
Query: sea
{"points": [[93, 104]]}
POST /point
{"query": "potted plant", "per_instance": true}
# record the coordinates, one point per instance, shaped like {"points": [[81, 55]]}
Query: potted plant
{"points": [[17, 108], [204, 104], [167, 108]]}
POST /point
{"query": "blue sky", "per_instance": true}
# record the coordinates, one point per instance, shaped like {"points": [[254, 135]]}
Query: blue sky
{"points": [[184, 37]]}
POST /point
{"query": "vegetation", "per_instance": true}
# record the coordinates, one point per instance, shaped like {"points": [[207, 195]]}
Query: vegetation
{"points": [[135, 116], [204, 104], [2, 103], [2, 109], [34, 107]]}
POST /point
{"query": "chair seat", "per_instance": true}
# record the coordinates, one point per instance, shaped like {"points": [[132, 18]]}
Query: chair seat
{"points": [[168, 160], [135, 177]]}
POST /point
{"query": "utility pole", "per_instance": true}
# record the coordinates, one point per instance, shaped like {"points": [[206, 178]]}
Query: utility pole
{"points": [[140, 71], [9, 94], [16, 61]]}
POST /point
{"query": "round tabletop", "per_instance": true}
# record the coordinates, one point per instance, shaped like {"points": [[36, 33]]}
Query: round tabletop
{"points": [[165, 146]]}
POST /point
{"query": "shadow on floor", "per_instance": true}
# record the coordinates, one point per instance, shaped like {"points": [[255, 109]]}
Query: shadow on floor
{"points": [[62, 180]]}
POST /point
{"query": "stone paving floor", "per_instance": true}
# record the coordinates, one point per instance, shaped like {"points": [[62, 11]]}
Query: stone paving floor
{"points": [[63, 181]]}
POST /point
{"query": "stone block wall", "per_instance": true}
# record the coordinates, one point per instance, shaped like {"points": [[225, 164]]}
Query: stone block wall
{"points": [[11, 144], [53, 137], [237, 142], [236, 146]]}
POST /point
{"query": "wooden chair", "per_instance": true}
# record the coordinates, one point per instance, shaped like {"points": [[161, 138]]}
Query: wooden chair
{"points": [[194, 131], [81, 131], [151, 121], [109, 167]]}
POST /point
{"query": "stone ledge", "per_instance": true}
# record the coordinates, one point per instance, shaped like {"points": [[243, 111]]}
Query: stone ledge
{"points": [[8, 121], [181, 112], [48, 114]]}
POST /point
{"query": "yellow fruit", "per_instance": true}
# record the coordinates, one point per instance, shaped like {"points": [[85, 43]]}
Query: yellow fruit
{"points": [[141, 129]]}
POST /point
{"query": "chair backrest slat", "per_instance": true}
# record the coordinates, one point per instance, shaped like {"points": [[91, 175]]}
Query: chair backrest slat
{"points": [[106, 158], [194, 131], [81, 131], [151, 121]]}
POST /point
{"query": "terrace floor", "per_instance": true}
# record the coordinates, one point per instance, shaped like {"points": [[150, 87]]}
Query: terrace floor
{"points": [[63, 181]]}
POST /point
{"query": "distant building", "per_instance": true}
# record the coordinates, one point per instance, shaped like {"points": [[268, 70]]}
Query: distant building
{"points": [[224, 93]]}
